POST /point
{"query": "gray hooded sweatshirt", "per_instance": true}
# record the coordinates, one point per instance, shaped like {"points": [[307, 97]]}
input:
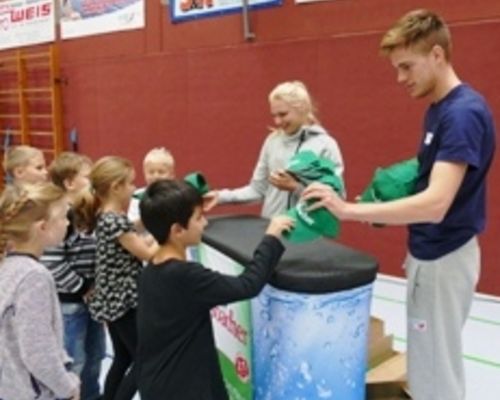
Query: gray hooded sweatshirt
{"points": [[277, 150], [32, 356]]}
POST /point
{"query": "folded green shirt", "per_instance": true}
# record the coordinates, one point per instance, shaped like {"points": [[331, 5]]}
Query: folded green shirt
{"points": [[393, 182]]}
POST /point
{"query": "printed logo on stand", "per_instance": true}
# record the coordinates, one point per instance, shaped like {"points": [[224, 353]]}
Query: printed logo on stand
{"points": [[242, 368]]}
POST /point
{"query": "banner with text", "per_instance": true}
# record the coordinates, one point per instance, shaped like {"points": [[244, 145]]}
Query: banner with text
{"points": [[309, 1], [183, 10], [232, 328], [26, 22], [93, 17]]}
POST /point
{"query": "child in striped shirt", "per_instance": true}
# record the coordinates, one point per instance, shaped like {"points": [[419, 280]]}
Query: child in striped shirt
{"points": [[72, 264]]}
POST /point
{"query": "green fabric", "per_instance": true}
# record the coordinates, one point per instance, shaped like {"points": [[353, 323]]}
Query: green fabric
{"points": [[307, 167], [301, 232], [393, 182], [310, 225], [198, 181], [139, 194]]}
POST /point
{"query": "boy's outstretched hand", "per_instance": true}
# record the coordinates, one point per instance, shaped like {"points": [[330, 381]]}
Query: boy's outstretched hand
{"points": [[279, 224]]}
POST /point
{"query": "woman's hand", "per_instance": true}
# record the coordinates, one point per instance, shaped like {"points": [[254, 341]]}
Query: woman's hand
{"points": [[283, 180]]}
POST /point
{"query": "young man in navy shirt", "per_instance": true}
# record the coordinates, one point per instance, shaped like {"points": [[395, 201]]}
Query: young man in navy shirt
{"points": [[446, 213]]}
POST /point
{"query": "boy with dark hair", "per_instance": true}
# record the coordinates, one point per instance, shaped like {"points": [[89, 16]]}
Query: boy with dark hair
{"points": [[177, 358]]}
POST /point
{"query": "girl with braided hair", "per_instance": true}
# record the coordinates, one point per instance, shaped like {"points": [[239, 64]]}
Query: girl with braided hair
{"points": [[33, 363]]}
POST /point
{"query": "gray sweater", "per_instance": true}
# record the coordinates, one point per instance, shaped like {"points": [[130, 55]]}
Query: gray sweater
{"points": [[277, 150], [32, 356]]}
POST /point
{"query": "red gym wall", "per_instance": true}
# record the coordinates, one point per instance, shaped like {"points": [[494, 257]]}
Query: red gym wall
{"points": [[200, 90]]}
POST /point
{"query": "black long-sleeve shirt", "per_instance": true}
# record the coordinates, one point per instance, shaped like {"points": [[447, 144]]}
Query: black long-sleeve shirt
{"points": [[177, 358]]}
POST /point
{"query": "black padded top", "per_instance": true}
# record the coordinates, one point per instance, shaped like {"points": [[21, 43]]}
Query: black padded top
{"points": [[321, 266]]}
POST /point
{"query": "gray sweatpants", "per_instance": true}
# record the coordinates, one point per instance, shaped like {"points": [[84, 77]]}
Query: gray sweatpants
{"points": [[439, 298]]}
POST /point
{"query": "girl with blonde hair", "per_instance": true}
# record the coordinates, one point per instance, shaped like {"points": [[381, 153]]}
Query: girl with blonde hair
{"points": [[296, 129], [119, 254], [25, 164], [33, 361]]}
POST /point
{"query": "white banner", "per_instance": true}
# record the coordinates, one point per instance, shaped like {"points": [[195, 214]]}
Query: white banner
{"points": [[92, 17], [184, 10], [26, 22], [309, 1]]}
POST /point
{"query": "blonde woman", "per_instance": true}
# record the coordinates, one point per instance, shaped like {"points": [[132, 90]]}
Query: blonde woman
{"points": [[296, 129], [33, 362]]}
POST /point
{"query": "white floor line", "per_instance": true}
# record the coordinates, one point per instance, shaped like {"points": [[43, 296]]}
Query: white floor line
{"points": [[481, 334]]}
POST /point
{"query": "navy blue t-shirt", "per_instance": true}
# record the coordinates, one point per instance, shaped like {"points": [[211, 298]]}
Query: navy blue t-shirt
{"points": [[458, 128]]}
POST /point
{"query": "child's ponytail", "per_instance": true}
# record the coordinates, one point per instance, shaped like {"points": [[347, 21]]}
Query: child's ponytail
{"points": [[85, 208]]}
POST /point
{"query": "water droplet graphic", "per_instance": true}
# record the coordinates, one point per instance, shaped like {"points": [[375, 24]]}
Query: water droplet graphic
{"points": [[305, 371], [265, 315], [312, 348], [265, 333], [358, 331], [274, 352], [323, 392]]}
